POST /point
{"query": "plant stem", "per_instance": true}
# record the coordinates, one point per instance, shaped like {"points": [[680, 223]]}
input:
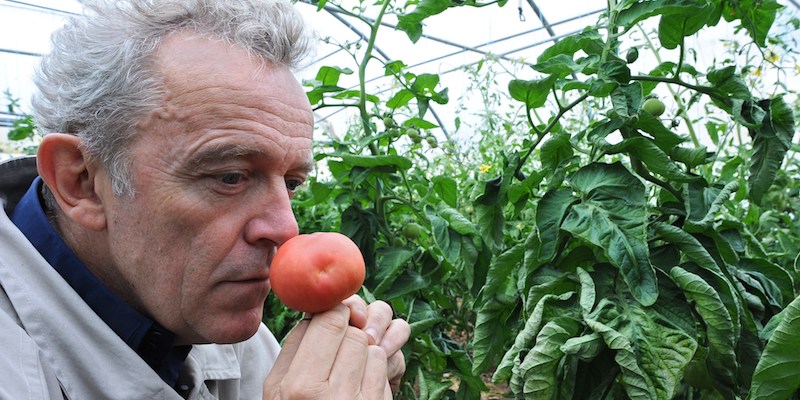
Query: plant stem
{"points": [[550, 126], [362, 70], [675, 95]]}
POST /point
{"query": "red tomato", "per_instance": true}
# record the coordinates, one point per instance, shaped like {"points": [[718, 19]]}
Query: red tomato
{"points": [[314, 272]]}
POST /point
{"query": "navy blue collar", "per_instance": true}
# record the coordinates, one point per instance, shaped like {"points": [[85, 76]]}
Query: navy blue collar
{"points": [[150, 340]]}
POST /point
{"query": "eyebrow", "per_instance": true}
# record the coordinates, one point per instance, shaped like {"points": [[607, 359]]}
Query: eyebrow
{"points": [[224, 152], [238, 151]]}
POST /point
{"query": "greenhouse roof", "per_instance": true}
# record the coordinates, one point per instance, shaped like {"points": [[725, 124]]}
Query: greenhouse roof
{"points": [[518, 32]]}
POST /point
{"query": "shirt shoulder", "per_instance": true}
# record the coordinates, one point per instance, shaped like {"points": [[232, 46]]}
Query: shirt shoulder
{"points": [[25, 374]]}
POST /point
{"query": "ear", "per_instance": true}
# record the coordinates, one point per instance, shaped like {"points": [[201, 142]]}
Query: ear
{"points": [[72, 179]]}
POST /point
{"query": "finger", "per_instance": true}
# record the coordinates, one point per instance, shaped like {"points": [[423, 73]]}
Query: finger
{"points": [[374, 383], [358, 310], [320, 344], [395, 369], [379, 316], [351, 362], [287, 353], [395, 337]]}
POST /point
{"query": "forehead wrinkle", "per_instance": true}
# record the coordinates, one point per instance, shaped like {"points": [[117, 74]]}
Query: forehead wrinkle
{"points": [[249, 103]]}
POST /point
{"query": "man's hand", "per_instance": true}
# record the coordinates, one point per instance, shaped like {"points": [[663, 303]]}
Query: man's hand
{"points": [[349, 352], [385, 331]]}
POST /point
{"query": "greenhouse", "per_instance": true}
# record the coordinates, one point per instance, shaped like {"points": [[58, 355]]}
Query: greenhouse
{"points": [[562, 200]]}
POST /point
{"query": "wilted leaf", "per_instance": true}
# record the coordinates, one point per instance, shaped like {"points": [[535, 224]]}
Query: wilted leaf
{"points": [[776, 375], [612, 216]]}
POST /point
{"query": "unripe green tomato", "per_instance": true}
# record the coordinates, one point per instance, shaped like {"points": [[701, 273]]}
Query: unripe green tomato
{"points": [[653, 107], [413, 133], [432, 141], [411, 230], [388, 122], [632, 55]]}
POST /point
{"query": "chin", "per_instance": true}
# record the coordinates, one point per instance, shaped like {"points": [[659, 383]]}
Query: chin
{"points": [[237, 330]]}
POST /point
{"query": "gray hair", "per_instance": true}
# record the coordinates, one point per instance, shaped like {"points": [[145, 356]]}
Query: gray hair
{"points": [[100, 80]]}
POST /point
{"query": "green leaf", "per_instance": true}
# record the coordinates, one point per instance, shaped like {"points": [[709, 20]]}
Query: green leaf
{"points": [[641, 10], [772, 139], [492, 332], [524, 338], [391, 262], [627, 100], [692, 157], [533, 92], [560, 66], [673, 27], [774, 278], [326, 81], [615, 70], [457, 221], [719, 327], [555, 150], [408, 282], [447, 189], [588, 294], [612, 216], [688, 245], [448, 241], [22, 129], [776, 375], [502, 271], [411, 22], [728, 84], [584, 347], [400, 99], [651, 355], [701, 214], [589, 40], [550, 212], [420, 123], [539, 367], [637, 384], [656, 160], [756, 17], [389, 160], [491, 222]]}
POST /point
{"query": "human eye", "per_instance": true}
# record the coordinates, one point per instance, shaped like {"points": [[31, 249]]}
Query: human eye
{"points": [[230, 178], [293, 184], [228, 182]]}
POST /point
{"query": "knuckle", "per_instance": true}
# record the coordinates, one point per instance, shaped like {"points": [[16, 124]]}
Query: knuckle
{"points": [[377, 353], [382, 307], [357, 335]]}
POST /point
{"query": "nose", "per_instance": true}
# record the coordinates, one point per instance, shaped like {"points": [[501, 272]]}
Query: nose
{"points": [[273, 220]]}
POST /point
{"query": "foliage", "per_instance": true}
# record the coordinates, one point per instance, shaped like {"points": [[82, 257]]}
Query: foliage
{"points": [[22, 132], [578, 245], [584, 247]]}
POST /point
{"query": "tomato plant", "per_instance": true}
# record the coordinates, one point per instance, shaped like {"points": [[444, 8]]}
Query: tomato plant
{"points": [[314, 272], [623, 222], [601, 240]]}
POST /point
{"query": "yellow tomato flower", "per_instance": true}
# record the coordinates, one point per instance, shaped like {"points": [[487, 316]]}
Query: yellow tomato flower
{"points": [[756, 72], [773, 57], [484, 168]]}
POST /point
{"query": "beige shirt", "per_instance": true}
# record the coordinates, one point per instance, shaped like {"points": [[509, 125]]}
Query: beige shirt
{"points": [[53, 346]]}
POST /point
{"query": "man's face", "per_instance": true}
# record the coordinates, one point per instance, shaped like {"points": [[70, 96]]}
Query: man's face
{"points": [[214, 170]]}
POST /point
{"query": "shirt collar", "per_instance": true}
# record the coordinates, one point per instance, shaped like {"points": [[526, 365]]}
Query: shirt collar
{"points": [[150, 340]]}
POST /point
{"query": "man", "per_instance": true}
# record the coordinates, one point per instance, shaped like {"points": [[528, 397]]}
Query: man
{"points": [[135, 265]]}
